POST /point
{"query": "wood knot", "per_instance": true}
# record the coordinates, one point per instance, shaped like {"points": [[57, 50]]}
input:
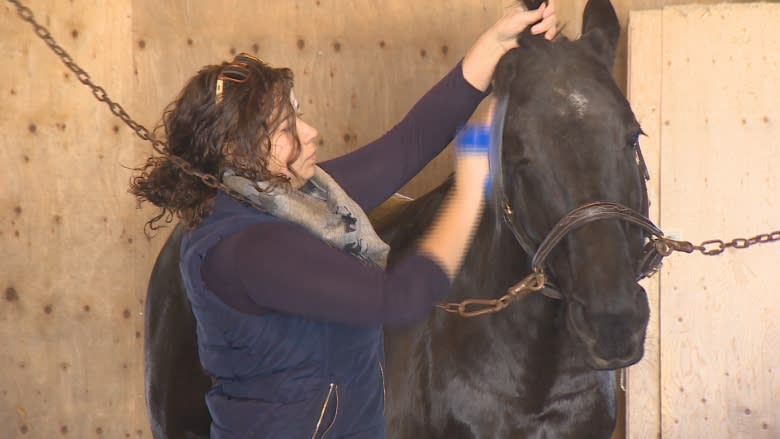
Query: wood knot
{"points": [[11, 295]]}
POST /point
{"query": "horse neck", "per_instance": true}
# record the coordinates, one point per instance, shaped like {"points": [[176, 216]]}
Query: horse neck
{"points": [[530, 334], [494, 260]]}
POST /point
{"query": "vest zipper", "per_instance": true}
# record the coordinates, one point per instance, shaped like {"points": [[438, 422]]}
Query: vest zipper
{"points": [[384, 392], [333, 391]]}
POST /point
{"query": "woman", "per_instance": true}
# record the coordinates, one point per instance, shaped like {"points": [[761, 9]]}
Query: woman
{"points": [[287, 279]]}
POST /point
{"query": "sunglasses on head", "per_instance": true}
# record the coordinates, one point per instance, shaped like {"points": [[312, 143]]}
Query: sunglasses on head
{"points": [[237, 71]]}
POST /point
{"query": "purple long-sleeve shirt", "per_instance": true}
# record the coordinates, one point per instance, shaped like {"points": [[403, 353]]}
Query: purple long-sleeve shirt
{"points": [[280, 266]]}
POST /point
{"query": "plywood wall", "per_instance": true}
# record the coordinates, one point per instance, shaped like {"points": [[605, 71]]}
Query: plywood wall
{"points": [[571, 11], [359, 65], [73, 258], [74, 261], [644, 92], [705, 89]]}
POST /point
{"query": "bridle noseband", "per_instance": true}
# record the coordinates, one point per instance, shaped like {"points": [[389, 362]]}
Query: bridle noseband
{"points": [[648, 263]]}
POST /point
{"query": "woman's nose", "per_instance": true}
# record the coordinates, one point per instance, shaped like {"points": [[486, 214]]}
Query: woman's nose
{"points": [[306, 132]]}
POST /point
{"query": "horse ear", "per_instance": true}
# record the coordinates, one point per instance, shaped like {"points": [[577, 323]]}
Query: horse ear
{"points": [[601, 30]]}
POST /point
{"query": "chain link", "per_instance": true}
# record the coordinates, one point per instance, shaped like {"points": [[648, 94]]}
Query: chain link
{"points": [[478, 307], [715, 247], [101, 95], [536, 280], [99, 92]]}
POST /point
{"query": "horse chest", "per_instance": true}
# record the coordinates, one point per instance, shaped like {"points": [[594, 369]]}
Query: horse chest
{"points": [[576, 406], [497, 383]]}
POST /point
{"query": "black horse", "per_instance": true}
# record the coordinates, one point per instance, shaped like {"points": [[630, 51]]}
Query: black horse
{"points": [[542, 367]]}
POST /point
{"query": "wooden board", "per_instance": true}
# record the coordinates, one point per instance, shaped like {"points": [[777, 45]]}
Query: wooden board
{"points": [[359, 65], [644, 92], [720, 141], [73, 257], [719, 137], [571, 11], [74, 261]]}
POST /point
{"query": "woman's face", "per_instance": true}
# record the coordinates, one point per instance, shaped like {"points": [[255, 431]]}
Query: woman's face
{"points": [[282, 146]]}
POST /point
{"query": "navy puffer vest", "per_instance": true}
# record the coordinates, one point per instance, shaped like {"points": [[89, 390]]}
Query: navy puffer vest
{"points": [[278, 375]]}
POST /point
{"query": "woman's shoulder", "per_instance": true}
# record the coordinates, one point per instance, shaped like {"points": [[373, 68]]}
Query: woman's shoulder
{"points": [[227, 218]]}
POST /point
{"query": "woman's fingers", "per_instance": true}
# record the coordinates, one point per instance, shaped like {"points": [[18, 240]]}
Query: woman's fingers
{"points": [[550, 9], [547, 26], [530, 17]]}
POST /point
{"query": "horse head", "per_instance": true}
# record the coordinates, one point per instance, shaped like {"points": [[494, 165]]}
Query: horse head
{"points": [[569, 139]]}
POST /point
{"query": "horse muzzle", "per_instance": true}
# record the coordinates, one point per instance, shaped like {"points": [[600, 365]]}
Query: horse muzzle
{"points": [[611, 340]]}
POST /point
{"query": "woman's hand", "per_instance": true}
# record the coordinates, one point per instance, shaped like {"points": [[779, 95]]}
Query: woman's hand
{"points": [[480, 61], [453, 228], [517, 18]]}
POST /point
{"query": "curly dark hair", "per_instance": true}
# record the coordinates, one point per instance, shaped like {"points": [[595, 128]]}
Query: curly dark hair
{"points": [[234, 133]]}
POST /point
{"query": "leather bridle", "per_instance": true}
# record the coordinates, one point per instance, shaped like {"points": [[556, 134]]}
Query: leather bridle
{"points": [[649, 261]]}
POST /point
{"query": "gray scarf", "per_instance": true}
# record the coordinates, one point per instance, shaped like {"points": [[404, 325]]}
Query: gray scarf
{"points": [[323, 208]]}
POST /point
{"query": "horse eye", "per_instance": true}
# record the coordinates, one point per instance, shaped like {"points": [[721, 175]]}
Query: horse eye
{"points": [[516, 160], [634, 142]]}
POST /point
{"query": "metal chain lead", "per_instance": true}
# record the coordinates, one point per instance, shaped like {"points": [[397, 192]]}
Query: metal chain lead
{"points": [[536, 281], [531, 283], [712, 247], [100, 94], [715, 247], [98, 91]]}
